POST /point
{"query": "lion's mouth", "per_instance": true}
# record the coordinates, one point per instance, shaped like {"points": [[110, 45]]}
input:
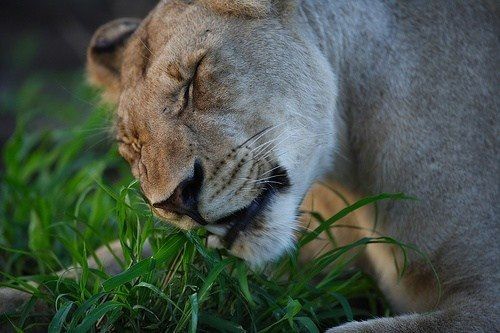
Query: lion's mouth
{"points": [[229, 227], [236, 222]]}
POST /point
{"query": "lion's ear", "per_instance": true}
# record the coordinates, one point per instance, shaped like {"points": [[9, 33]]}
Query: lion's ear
{"points": [[250, 8], [105, 55]]}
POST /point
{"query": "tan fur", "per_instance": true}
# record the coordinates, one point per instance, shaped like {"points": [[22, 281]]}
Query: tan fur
{"points": [[415, 291], [397, 96], [323, 199], [250, 8]]}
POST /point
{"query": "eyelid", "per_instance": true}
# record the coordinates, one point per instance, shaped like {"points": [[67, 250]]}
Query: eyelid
{"points": [[185, 92], [186, 96], [198, 63], [195, 71], [189, 86]]}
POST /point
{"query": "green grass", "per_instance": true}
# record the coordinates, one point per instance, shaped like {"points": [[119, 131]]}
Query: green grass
{"points": [[66, 192]]}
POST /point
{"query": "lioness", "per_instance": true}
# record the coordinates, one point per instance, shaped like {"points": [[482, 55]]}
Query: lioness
{"points": [[228, 111]]}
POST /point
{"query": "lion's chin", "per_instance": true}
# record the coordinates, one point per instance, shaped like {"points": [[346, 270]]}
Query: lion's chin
{"points": [[266, 237]]}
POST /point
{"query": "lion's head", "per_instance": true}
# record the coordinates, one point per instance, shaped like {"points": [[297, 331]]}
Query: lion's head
{"points": [[224, 112]]}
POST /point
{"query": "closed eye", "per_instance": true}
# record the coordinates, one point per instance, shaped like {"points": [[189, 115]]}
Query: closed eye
{"points": [[180, 99], [187, 90]]}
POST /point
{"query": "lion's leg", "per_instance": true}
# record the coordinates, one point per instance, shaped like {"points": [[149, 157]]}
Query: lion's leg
{"points": [[415, 291], [456, 319], [466, 303], [415, 295], [109, 256], [327, 199], [462, 301], [13, 300]]}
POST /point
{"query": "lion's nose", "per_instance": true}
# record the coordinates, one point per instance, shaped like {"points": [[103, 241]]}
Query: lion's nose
{"points": [[184, 199]]}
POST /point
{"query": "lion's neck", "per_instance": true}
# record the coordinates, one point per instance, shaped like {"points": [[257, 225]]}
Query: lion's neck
{"points": [[349, 33], [352, 35]]}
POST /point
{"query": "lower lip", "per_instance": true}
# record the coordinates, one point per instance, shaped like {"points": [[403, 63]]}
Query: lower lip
{"points": [[219, 230]]}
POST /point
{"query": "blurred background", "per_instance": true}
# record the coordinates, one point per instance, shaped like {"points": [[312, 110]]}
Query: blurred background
{"points": [[42, 56], [54, 133]]}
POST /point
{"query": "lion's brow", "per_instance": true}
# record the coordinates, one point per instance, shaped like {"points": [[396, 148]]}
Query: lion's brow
{"points": [[174, 72]]}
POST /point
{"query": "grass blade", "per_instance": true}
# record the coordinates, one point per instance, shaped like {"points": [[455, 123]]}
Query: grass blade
{"points": [[193, 299], [345, 305], [241, 270], [212, 276], [221, 325], [344, 212], [133, 272], [308, 324], [95, 315], [56, 325]]}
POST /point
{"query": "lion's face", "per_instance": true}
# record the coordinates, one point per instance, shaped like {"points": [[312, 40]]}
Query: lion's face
{"points": [[215, 116]]}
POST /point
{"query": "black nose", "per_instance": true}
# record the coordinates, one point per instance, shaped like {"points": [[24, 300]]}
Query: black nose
{"points": [[184, 199]]}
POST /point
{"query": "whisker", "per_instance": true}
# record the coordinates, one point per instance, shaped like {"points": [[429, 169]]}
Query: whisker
{"points": [[96, 143], [147, 48], [104, 129], [259, 147], [256, 136], [261, 155], [271, 170], [75, 96]]}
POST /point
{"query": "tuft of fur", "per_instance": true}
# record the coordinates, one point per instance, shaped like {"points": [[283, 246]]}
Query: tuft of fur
{"points": [[243, 8]]}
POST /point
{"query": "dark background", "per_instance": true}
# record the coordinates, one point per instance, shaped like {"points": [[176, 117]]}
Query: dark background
{"points": [[47, 40]]}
